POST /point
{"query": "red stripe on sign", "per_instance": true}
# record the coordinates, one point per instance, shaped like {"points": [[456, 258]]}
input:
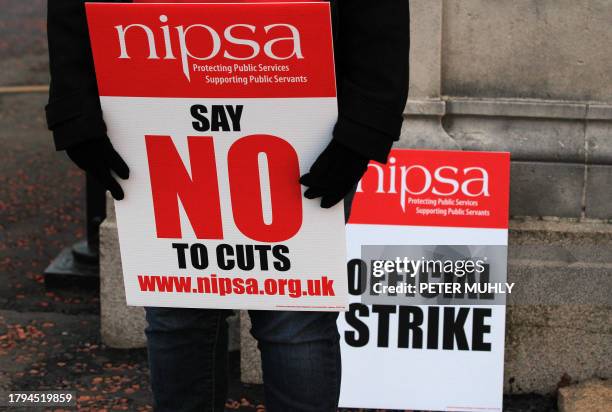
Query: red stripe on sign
{"points": [[436, 188], [272, 50], [225, 1]]}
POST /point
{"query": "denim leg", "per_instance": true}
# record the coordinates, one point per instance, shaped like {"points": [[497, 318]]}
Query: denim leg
{"points": [[300, 354], [188, 359]]}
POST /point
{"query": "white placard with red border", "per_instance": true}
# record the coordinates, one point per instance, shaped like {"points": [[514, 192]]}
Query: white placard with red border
{"points": [[218, 109], [415, 357]]}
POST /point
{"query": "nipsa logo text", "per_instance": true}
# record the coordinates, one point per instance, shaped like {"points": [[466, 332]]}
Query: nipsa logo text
{"points": [[238, 42]]}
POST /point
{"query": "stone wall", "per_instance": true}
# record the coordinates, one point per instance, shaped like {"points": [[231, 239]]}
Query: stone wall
{"points": [[532, 77], [536, 49]]}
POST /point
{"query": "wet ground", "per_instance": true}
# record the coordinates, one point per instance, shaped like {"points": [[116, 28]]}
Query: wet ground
{"points": [[49, 339], [23, 46]]}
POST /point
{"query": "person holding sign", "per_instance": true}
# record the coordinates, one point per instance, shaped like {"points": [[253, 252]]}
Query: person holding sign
{"points": [[300, 350]]}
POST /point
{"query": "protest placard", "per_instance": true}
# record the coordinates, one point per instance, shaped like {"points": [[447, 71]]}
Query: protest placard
{"points": [[427, 243], [218, 109]]}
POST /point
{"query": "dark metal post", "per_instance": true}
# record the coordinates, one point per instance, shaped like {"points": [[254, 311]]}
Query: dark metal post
{"points": [[78, 265]]}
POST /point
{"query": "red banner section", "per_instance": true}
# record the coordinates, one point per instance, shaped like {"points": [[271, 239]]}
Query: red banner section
{"points": [[236, 50], [436, 188], [224, 1]]}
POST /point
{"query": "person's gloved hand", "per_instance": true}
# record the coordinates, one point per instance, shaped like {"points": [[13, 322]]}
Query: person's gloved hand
{"points": [[98, 158], [334, 174]]}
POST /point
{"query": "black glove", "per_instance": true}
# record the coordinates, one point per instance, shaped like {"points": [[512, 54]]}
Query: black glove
{"points": [[334, 174], [98, 157]]}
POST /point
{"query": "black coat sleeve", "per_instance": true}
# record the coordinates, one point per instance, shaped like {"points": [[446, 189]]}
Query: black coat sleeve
{"points": [[73, 113], [372, 48]]}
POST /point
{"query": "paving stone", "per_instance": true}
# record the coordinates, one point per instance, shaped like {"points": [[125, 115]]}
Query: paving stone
{"points": [[589, 396]]}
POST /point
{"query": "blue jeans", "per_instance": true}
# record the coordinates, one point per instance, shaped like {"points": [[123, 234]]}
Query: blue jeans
{"points": [[300, 355]]}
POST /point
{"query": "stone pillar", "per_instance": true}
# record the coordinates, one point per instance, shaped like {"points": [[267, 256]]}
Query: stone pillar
{"points": [[425, 109], [250, 358], [122, 326]]}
